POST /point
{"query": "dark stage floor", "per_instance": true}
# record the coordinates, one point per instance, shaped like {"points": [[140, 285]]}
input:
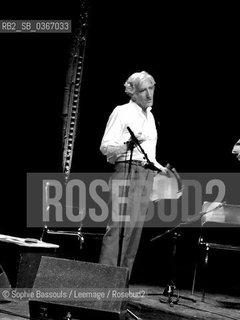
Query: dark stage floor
{"points": [[154, 305], [150, 275]]}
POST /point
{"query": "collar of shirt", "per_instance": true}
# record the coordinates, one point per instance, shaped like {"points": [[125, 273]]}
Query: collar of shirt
{"points": [[134, 104]]}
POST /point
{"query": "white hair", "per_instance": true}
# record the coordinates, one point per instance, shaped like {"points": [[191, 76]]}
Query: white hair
{"points": [[134, 81]]}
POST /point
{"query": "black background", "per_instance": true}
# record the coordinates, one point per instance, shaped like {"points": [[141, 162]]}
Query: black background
{"points": [[190, 49]]}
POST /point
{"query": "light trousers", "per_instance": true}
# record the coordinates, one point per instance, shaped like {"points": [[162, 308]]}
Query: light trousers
{"points": [[129, 200]]}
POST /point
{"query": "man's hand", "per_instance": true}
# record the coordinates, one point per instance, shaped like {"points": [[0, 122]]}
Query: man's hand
{"points": [[131, 144], [165, 171]]}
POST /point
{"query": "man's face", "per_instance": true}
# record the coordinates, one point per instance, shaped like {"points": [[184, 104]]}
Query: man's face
{"points": [[144, 94], [236, 149]]}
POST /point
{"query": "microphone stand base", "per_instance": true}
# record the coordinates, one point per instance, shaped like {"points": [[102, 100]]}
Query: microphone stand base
{"points": [[169, 293]]}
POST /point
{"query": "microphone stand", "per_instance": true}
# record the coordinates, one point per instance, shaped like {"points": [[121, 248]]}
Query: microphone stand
{"points": [[131, 143], [150, 165], [201, 214], [121, 233], [169, 290]]}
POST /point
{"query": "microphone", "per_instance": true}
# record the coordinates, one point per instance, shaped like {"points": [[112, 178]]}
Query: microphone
{"points": [[222, 204], [134, 139]]}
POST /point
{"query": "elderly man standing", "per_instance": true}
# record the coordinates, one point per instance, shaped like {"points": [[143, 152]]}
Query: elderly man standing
{"points": [[121, 240]]}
